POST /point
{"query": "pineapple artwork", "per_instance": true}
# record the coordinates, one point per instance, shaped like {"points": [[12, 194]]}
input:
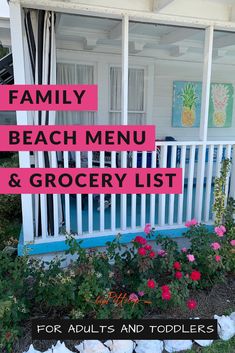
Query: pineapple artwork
{"points": [[221, 105], [186, 104], [189, 98], [186, 107]]}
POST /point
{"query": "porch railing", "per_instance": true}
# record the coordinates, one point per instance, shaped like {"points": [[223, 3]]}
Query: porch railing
{"points": [[200, 162]]}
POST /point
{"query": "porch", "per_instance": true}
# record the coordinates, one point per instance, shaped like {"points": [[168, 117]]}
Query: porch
{"points": [[179, 77], [88, 219]]}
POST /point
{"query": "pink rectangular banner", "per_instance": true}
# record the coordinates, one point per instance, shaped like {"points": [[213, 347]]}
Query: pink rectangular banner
{"points": [[49, 97], [77, 138], [90, 181]]}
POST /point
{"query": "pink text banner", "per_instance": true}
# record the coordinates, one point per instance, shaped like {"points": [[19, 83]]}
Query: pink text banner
{"points": [[90, 181], [77, 138], [49, 97]]}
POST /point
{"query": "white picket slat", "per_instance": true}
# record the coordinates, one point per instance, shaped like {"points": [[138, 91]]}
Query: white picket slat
{"points": [[218, 160], [153, 196], [133, 196], [79, 197], [172, 196], [123, 196], [232, 177], [209, 173], [143, 196], [90, 199], [200, 182], [102, 195], [190, 182], [181, 196], [113, 196], [43, 201], [227, 156], [55, 199], [67, 198], [162, 197]]}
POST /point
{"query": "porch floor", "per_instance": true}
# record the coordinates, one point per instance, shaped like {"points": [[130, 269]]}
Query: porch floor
{"points": [[96, 213]]}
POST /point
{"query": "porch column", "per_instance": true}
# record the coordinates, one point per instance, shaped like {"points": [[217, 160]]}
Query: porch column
{"points": [[208, 47], [16, 24], [232, 175], [124, 115]]}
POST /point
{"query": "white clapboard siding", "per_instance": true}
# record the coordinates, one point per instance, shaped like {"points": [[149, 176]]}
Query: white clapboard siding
{"points": [[190, 182], [133, 196], [79, 197], [209, 174], [181, 196], [67, 198]]}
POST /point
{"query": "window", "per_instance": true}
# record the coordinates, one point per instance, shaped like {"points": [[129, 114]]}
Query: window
{"points": [[75, 74], [136, 108]]}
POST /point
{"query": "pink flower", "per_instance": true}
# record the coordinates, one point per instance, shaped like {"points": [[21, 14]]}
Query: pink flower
{"points": [[165, 288], [191, 258], [223, 228], [133, 298], [177, 265], [161, 253], [191, 223], [217, 258], [184, 250], [166, 295], [147, 228], [220, 230], [140, 240], [191, 304], [142, 251], [178, 275], [232, 242], [141, 293], [195, 275], [152, 254], [215, 246], [151, 283], [148, 247]]}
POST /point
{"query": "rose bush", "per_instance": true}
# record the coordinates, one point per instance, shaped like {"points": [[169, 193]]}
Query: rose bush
{"points": [[150, 273]]}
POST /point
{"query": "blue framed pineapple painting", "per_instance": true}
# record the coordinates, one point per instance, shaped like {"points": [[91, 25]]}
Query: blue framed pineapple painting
{"points": [[186, 107]]}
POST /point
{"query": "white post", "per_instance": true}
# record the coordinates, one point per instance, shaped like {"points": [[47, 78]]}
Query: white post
{"points": [[16, 24], [206, 83], [124, 118], [204, 120], [232, 175], [125, 54]]}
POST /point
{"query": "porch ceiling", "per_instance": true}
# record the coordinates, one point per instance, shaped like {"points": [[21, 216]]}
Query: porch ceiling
{"points": [[152, 40], [218, 11]]}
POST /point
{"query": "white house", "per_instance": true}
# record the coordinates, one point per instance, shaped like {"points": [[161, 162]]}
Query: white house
{"points": [[154, 62]]}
